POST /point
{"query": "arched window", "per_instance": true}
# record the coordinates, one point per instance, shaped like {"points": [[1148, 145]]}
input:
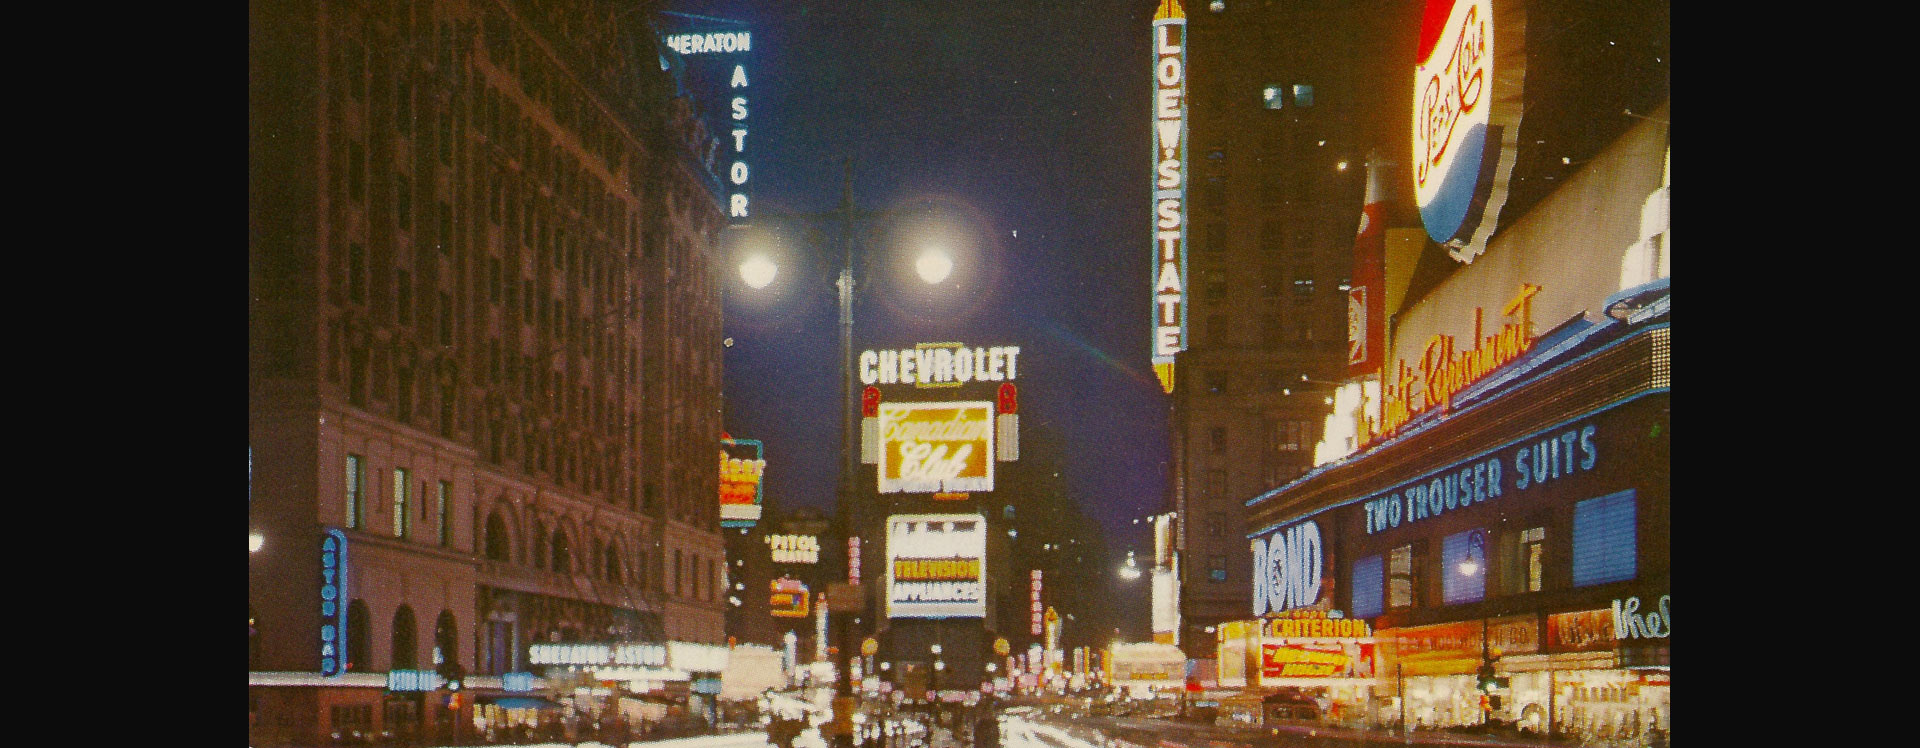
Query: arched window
{"points": [[406, 640], [446, 639], [539, 544], [613, 564], [359, 637], [498, 548], [562, 553], [597, 565]]}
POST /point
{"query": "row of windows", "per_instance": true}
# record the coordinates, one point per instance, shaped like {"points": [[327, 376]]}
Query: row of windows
{"points": [[1472, 562], [404, 649], [406, 503]]}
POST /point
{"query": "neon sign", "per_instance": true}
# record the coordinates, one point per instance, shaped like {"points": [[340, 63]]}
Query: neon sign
{"points": [[1444, 371], [1169, 188], [333, 610], [936, 447], [724, 43], [1287, 569], [742, 466]]}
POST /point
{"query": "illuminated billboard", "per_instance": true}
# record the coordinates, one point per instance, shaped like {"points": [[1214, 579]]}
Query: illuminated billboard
{"points": [[1466, 118], [742, 466], [701, 37], [1169, 188], [789, 598], [936, 447], [936, 566]]}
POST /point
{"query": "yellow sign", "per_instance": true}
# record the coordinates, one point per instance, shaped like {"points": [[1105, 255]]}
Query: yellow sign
{"points": [[936, 447], [1444, 372]]}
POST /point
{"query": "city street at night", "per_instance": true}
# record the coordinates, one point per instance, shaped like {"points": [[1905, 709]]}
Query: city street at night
{"points": [[1080, 373]]}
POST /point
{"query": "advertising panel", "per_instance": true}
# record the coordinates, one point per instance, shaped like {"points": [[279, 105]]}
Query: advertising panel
{"points": [[1581, 631], [742, 469], [1317, 658], [789, 599], [1288, 567], [1169, 188], [794, 549], [1442, 649], [1367, 296], [1465, 118], [936, 447], [936, 566]]}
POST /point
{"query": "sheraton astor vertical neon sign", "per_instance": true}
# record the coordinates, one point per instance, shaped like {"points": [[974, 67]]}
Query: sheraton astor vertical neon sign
{"points": [[732, 44], [1169, 188]]}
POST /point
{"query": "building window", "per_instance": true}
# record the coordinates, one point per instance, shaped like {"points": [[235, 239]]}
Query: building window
{"points": [[356, 273], [1216, 524], [1463, 566], [1216, 484], [562, 553], [1272, 96], [403, 202], [1302, 284], [1217, 568], [446, 639], [403, 296], [356, 171], [402, 501], [539, 544], [497, 547], [446, 514], [1367, 577], [1604, 540], [356, 481], [1217, 382], [1218, 439], [613, 564], [1401, 585], [679, 575], [1215, 286], [406, 655], [359, 638]]}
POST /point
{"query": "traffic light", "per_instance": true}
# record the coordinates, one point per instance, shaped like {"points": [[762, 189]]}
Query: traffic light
{"points": [[1487, 681], [452, 676]]}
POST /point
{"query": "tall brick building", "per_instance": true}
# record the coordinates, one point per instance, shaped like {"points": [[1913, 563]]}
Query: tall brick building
{"points": [[484, 326], [1284, 106]]}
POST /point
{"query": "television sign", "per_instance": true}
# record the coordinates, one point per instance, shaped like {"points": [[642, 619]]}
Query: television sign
{"points": [[936, 566]]}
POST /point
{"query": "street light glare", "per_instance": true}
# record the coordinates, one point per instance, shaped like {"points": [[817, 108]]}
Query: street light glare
{"points": [[758, 271], [934, 265], [255, 541]]}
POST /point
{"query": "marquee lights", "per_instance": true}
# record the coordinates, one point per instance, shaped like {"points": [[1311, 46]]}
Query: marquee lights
{"points": [[1169, 188]]}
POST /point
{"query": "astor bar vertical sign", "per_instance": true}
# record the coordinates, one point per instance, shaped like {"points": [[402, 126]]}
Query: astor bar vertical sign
{"points": [[333, 609], [1169, 188]]}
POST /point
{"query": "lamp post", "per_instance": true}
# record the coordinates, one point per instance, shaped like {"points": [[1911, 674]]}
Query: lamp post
{"points": [[933, 266], [1471, 566]]}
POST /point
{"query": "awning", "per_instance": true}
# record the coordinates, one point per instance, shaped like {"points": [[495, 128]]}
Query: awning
{"points": [[522, 702]]}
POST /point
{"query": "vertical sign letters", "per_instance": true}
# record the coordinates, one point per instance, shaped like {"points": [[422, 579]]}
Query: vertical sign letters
{"points": [[1169, 188]]}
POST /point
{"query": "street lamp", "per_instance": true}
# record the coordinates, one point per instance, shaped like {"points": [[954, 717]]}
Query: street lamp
{"points": [[933, 265], [255, 542], [1131, 570]]}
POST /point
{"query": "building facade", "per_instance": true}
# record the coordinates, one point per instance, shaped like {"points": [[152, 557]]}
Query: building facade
{"points": [[1284, 109], [484, 365], [1498, 550]]}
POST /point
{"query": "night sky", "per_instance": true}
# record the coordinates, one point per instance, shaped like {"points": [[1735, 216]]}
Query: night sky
{"points": [[1025, 124]]}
